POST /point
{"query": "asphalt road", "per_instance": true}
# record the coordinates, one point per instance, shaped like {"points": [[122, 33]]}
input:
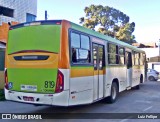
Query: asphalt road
{"points": [[145, 101]]}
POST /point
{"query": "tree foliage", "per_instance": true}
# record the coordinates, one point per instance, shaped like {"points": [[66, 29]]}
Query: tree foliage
{"points": [[109, 21]]}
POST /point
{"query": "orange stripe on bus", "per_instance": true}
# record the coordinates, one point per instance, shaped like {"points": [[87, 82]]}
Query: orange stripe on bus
{"points": [[83, 72], [100, 72]]}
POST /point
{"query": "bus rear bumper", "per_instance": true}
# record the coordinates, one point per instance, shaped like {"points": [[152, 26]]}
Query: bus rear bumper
{"points": [[57, 99]]}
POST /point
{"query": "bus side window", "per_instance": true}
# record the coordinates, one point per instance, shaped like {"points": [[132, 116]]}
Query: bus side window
{"points": [[129, 59], [121, 56], [113, 57], [101, 57], [80, 48], [75, 44], [89, 57], [74, 55], [136, 58]]}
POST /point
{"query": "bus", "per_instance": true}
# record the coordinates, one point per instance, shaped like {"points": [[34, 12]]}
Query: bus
{"points": [[57, 62]]}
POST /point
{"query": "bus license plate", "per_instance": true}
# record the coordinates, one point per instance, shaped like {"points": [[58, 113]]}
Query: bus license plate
{"points": [[25, 98]]}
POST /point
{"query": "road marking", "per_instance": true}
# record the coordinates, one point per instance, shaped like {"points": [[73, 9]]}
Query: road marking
{"points": [[128, 118], [142, 101], [148, 108], [124, 120]]}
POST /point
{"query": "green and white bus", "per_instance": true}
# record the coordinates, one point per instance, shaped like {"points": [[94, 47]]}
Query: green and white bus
{"points": [[57, 62]]}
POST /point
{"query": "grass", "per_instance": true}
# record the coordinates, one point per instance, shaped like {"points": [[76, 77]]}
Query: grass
{"points": [[2, 97]]}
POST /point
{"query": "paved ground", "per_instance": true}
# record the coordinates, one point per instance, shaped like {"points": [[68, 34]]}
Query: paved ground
{"points": [[145, 101]]}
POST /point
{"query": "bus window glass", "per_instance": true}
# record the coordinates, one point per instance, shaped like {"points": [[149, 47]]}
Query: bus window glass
{"points": [[121, 60], [144, 58], [2, 56], [112, 59], [95, 50], [80, 48], [136, 58], [101, 61], [141, 59], [121, 56], [74, 55], [133, 58], [82, 56], [113, 54], [129, 59], [112, 48], [75, 40], [85, 42], [121, 51]]}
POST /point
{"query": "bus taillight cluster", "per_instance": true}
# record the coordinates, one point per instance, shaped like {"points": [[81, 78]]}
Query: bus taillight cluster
{"points": [[60, 82]]}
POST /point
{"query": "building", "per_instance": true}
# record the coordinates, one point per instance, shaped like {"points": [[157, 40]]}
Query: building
{"points": [[18, 10], [15, 11], [145, 45], [152, 54], [4, 28]]}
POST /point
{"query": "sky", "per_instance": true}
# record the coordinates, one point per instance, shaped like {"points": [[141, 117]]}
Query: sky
{"points": [[145, 13]]}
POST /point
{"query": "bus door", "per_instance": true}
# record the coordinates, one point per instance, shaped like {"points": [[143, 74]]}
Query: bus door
{"points": [[129, 69], [98, 59]]}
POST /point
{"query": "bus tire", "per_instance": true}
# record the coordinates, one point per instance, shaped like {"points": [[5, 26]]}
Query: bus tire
{"points": [[114, 93], [141, 79], [137, 87]]}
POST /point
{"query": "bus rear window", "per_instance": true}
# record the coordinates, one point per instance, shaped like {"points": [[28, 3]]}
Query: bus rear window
{"points": [[41, 37]]}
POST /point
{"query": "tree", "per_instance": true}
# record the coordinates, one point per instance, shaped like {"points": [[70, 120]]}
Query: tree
{"points": [[109, 21]]}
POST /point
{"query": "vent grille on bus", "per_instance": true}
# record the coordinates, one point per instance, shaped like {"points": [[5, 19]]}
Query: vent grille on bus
{"points": [[31, 57]]}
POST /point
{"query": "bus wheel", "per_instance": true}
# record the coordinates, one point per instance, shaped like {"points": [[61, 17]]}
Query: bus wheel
{"points": [[141, 79], [114, 93], [137, 87]]}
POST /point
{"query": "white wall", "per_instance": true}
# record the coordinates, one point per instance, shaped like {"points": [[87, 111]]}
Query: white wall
{"points": [[151, 52]]}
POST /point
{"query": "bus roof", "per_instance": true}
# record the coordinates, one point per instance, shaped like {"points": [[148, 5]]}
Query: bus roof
{"points": [[41, 22], [104, 37], [80, 28]]}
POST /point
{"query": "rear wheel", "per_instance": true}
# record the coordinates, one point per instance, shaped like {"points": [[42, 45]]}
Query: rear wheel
{"points": [[114, 93], [137, 87], [141, 79], [151, 78]]}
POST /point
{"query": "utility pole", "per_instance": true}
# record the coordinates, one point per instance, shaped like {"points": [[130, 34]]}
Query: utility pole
{"points": [[159, 46], [46, 15]]}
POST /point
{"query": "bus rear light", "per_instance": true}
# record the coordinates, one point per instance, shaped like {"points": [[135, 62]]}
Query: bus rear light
{"points": [[60, 82], [6, 79]]}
